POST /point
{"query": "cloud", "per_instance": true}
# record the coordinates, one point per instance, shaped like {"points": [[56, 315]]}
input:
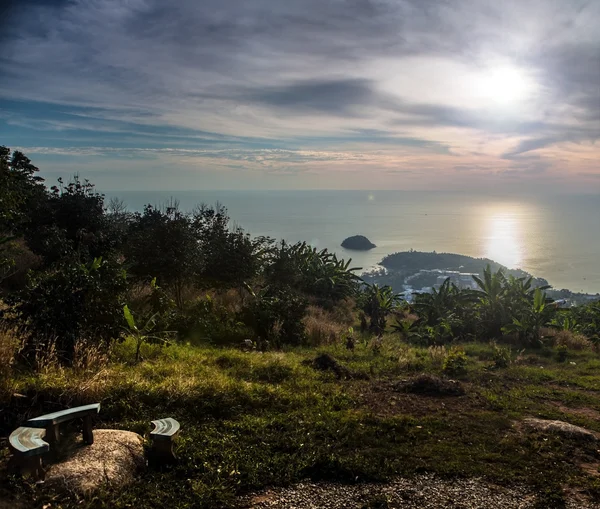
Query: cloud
{"points": [[324, 76]]}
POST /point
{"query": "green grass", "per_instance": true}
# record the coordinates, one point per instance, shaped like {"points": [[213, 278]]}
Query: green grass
{"points": [[251, 420]]}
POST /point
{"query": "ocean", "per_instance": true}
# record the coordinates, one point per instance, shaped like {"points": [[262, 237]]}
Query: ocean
{"points": [[557, 238]]}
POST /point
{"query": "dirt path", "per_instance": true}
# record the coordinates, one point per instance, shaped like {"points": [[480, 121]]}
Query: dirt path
{"points": [[424, 491]]}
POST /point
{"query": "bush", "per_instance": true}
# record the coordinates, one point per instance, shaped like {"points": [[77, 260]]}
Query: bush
{"points": [[70, 303], [276, 315], [500, 356], [456, 362], [561, 353]]}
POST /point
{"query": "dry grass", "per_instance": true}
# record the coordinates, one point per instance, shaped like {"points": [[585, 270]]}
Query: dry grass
{"points": [[89, 355], [10, 344], [572, 340], [438, 355], [321, 327]]}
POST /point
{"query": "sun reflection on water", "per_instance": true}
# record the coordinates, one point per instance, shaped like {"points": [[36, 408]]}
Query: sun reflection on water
{"points": [[504, 240]]}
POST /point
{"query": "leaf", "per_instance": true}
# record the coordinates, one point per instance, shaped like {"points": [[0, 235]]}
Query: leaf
{"points": [[129, 317]]}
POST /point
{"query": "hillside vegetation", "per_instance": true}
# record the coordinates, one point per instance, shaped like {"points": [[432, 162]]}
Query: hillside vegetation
{"points": [[145, 312]]}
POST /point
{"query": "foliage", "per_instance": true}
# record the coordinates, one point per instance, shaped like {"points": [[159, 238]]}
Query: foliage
{"points": [[145, 333], [164, 245], [529, 320], [455, 362], [378, 303], [561, 353], [71, 224], [501, 356], [70, 302], [317, 273], [229, 257], [276, 315], [20, 188]]}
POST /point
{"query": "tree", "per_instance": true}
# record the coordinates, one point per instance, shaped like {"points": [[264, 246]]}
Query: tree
{"points": [[71, 223], [229, 257], [164, 245], [20, 189]]}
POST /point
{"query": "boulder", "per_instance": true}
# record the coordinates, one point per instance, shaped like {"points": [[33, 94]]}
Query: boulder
{"points": [[358, 243], [113, 460], [561, 428]]}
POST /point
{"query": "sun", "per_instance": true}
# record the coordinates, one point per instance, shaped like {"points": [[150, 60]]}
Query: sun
{"points": [[504, 85]]}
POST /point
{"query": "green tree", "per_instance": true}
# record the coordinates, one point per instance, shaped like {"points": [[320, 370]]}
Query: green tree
{"points": [[20, 190], [71, 223], [164, 245]]}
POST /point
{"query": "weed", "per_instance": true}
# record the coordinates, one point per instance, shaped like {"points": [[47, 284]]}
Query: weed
{"points": [[455, 362]]}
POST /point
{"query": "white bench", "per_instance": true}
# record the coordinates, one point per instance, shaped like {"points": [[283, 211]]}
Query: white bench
{"points": [[162, 436], [28, 446]]}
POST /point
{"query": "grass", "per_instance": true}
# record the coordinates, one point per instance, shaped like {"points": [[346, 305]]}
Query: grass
{"points": [[251, 420]]}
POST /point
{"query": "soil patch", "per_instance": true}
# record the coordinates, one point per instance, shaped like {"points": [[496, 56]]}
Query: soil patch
{"points": [[405, 493]]}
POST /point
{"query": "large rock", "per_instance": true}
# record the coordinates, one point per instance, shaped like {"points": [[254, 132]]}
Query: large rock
{"points": [[113, 460], [358, 243], [561, 428]]}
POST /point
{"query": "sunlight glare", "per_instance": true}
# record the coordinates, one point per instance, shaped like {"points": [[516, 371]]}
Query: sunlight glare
{"points": [[504, 243], [504, 85]]}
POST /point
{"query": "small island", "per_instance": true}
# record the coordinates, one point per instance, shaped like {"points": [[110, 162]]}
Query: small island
{"points": [[358, 243]]}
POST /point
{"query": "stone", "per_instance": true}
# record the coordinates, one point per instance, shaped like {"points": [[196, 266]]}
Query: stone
{"points": [[561, 428], [114, 460], [358, 243]]}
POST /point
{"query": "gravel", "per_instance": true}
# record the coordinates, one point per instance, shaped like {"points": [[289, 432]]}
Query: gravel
{"points": [[423, 491]]}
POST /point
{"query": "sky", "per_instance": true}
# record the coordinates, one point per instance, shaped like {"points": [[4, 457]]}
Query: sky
{"points": [[305, 94]]}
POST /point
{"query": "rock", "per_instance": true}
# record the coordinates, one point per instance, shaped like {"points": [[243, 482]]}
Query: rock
{"points": [[561, 428], [113, 459], [358, 243]]}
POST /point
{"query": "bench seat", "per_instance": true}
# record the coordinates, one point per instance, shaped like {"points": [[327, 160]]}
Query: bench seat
{"points": [[163, 434], [28, 446], [164, 429], [51, 421], [28, 441]]}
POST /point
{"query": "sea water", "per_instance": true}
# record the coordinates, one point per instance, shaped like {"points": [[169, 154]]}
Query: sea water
{"points": [[556, 238]]}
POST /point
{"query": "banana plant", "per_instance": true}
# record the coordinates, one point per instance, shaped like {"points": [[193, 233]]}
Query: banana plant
{"points": [[145, 333], [532, 319]]}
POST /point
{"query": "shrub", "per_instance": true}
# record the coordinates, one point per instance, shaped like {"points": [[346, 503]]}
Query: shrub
{"points": [[71, 302], [561, 353], [276, 315], [500, 356], [455, 362]]}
